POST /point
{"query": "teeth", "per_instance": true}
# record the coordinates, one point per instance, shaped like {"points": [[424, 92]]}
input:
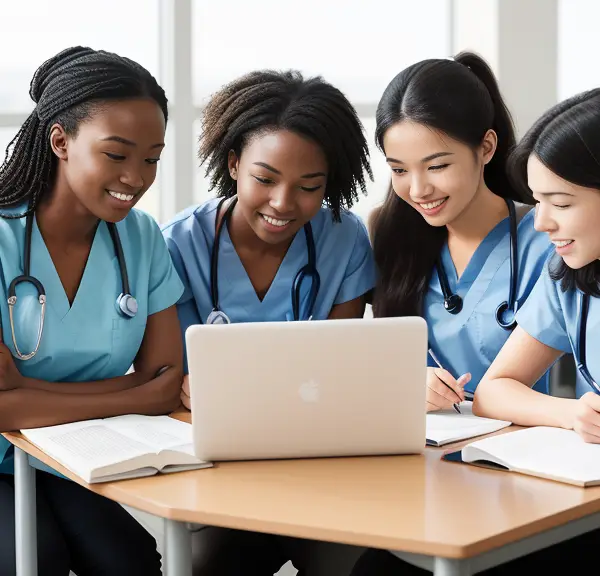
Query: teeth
{"points": [[432, 205], [118, 196], [562, 243], [275, 222]]}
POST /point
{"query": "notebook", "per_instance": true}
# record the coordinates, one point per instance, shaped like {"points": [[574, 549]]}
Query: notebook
{"points": [[447, 426], [118, 448], [551, 453]]}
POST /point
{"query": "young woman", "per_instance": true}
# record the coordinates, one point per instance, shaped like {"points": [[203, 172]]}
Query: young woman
{"points": [[91, 290], [453, 240], [557, 160], [277, 148]]}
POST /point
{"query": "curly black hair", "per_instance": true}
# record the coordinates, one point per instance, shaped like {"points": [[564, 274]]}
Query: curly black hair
{"points": [[66, 89], [269, 100]]}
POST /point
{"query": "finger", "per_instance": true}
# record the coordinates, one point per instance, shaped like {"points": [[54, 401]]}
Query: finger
{"points": [[589, 433], [185, 400], [454, 390], [592, 400], [186, 385], [464, 380], [440, 396], [431, 407]]}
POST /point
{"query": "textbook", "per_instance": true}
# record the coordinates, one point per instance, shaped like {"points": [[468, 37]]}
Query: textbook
{"points": [[447, 426], [119, 448], [551, 453]]}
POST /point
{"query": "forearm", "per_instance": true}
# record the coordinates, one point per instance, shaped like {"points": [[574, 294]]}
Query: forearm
{"points": [[108, 386], [507, 399], [33, 408]]}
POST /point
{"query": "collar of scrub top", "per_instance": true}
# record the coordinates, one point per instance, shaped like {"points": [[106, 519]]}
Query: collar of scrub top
{"points": [[453, 302], [307, 272], [126, 304], [584, 306]]}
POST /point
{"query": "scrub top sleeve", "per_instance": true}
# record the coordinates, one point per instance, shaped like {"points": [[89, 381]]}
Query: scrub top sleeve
{"points": [[165, 287], [360, 272], [542, 316]]}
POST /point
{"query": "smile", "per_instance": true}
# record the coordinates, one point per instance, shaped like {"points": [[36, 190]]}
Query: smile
{"points": [[434, 204], [562, 243], [122, 197], [275, 221]]}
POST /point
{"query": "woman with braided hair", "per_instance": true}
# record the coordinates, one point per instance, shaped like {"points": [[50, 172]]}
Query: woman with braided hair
{"points": [[287, 157], [98, 295]]}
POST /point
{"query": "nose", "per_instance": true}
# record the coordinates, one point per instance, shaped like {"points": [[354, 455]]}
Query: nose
{"points": [[543, 222], [420, 189], [282, 199], [133, 178]]}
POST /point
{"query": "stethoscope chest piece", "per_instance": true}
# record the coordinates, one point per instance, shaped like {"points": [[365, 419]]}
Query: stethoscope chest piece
{"points": [[127, 305], [506, 317], [218, 317], [453, 304]]}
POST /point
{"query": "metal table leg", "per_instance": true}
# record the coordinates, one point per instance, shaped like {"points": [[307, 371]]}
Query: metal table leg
{"points": [[178, 549], [451, 567], [25, 518]]}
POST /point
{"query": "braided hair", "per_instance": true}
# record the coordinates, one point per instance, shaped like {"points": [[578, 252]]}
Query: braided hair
{"points": [[67, 89], [266, 101]]}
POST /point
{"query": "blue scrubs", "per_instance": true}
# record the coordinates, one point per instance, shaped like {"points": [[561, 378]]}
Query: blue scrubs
{"points": [[550, 316], [343, 258], [88, 340], [469, 341]]}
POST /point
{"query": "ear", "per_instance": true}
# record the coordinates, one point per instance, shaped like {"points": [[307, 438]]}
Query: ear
{"points": [[233, 163], [59, 141], [488, 146]]}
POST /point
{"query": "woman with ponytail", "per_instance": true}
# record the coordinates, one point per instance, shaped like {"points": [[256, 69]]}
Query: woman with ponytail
{"points": [[442, 239], [68, 185]]}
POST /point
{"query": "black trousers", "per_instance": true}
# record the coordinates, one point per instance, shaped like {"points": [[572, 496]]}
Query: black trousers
{"points": [[77, 530], [551, 561]]}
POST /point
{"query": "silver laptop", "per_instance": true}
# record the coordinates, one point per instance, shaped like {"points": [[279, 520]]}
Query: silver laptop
{"points": [[308, 389]]}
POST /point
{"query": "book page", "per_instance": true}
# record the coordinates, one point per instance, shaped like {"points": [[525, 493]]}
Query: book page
{"points": [[448, 426], [541, 451], [159, 432], [86, 447]]}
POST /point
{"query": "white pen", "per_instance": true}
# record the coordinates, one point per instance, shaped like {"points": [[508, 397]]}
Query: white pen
{"points": [[447, 386]]}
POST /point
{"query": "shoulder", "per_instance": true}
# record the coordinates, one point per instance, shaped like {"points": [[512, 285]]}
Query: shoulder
{"points": [[12, 226], [349, 229], [202, 215]]}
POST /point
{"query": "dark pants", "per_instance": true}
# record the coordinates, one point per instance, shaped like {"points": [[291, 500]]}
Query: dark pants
{"points": [[550, 561], [224, 552], [77, 530]]}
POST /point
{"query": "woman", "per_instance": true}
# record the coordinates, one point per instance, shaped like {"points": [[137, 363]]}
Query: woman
{"points": [[277, 148], [73, 173]]}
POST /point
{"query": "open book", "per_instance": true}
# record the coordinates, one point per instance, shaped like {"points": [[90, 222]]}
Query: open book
{"points": [[551, 453], [448, 426], [118, 448]]}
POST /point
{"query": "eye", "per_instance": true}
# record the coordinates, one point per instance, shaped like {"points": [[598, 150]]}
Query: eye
{"points": [[262, 180], [561, 206], [152, 160], [438, 167], [115, 157], [398, 170], [313, 189]]}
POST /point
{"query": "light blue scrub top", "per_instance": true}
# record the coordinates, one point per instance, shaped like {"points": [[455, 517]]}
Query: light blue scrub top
{"points": [[343, 258], [89, 340], [550, 316], [469, 341]]}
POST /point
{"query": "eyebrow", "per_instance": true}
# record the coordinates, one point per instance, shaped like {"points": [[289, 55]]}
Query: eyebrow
{"points": [[121, 140], [555, 194], [274, 170], [426, 159]]}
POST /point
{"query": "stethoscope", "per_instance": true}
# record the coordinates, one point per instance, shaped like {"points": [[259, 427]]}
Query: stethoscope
{"points": [[584, 306], [309, 271], [453, 302], [126, 304]]}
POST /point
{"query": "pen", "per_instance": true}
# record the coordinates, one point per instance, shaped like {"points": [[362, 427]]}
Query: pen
{"points": [[440, 366]]}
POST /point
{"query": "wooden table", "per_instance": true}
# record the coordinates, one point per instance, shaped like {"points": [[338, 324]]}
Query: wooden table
{"points": [[459, 518]]}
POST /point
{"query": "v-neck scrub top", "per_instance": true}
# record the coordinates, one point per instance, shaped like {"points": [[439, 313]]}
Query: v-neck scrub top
{"points": [[88, 340], [344, 260]]}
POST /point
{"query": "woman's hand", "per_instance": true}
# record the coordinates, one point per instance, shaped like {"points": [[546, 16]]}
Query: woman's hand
{"points": [[587, 417], [185, 392], [443, 391]]}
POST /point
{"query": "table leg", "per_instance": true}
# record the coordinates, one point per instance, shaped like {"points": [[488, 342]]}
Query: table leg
{"points": [[25, 518], [451, 567], [178, 549]]}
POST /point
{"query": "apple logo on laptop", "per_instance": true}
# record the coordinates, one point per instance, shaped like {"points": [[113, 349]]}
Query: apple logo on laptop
{"points": [[309, 391]]}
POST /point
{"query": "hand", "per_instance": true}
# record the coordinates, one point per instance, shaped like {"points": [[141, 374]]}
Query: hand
{"points": [[439, 396], [165, 388], [185, 393], [10, 377], [587, 418]]}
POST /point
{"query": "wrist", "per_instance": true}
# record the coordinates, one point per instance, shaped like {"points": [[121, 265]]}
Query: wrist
{"points": [[568, 413]]}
